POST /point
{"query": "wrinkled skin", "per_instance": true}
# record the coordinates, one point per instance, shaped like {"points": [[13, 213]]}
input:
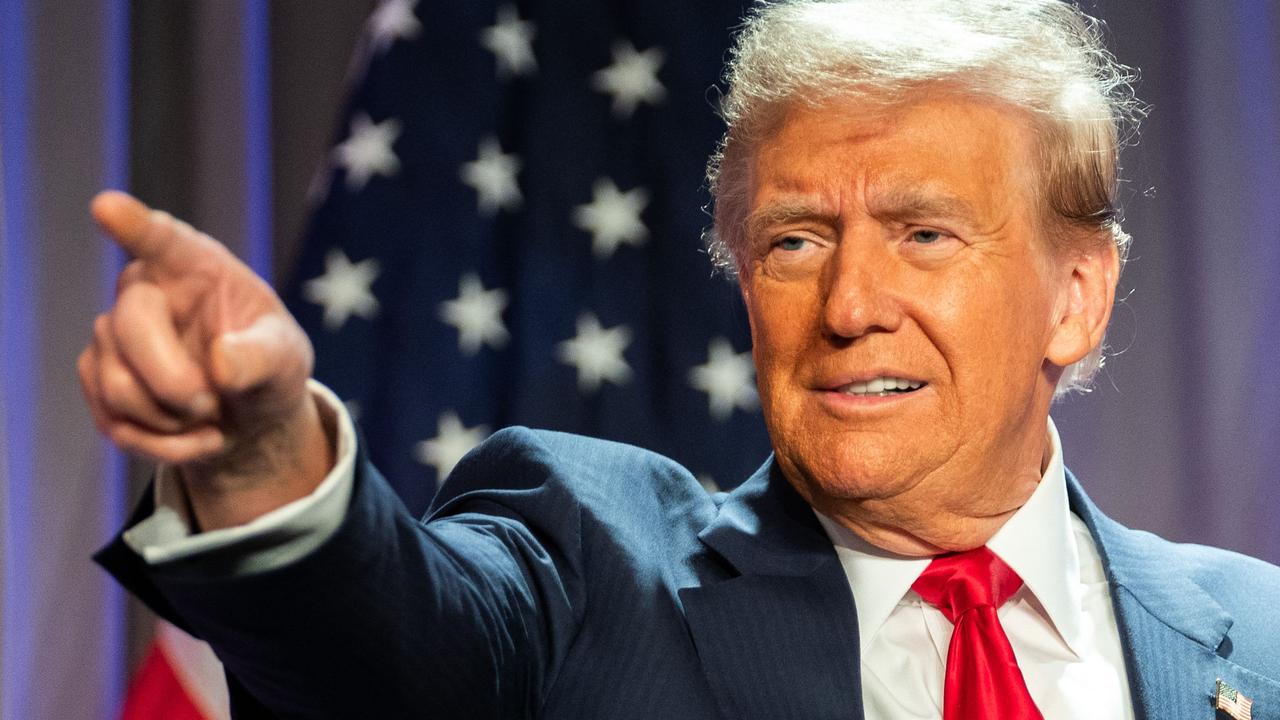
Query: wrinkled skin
{"points": [[908, 241]]}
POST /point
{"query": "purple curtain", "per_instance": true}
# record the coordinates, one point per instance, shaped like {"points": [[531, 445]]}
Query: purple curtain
{"points": [[63, 133], [1180, 435]]}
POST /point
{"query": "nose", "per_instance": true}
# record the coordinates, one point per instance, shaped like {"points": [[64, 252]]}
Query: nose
{"points": [[861, 297]]}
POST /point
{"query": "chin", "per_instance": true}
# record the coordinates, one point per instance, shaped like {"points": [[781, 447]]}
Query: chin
{"points": [[852, 472]]}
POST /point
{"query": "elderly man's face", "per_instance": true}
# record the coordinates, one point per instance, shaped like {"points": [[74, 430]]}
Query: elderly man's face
{"points": [[907, 315]]}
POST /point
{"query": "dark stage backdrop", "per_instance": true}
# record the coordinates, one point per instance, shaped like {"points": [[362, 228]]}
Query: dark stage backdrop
{"points": [[224, 112]]}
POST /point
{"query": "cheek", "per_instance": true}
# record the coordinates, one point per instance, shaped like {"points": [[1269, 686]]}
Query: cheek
{"points": [[781, 331], [780, 326], [992, 327], [774, 358]]}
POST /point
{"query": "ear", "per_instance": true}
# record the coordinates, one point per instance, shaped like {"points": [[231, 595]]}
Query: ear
{"points": [[1086, 308]]}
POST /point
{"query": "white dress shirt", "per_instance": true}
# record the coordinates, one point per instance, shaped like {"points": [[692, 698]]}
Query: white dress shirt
{"points": [[1060, 624], [269, 541]]}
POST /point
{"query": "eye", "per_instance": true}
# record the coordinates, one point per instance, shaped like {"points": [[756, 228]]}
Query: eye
{"points": [[929, 245], [794, 256]]}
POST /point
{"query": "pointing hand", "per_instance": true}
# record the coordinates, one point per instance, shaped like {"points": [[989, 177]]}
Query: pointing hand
{"points": [[198, 364]]}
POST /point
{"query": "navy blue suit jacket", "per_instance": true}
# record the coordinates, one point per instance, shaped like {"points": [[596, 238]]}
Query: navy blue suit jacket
{"points": [[563, 577]]}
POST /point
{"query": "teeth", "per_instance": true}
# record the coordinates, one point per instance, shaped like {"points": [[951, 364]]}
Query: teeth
{"points": [[882, 386]]}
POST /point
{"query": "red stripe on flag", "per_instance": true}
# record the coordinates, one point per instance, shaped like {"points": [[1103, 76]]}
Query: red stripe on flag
{"points": [[156, 693]]}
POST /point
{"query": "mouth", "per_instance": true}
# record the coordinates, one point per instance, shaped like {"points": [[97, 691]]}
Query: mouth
{"points": [[880, 387]]}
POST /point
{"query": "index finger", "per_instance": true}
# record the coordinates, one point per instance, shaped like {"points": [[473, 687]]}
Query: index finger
{"points": [[153, 236], [127, 219]]}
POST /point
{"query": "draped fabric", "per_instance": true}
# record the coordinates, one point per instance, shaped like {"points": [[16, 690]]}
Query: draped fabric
{"points": [[513, 239], [63, 133], [222, 112]]}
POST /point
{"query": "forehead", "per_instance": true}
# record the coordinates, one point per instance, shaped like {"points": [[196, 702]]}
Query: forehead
{"points": [[938, 148]]}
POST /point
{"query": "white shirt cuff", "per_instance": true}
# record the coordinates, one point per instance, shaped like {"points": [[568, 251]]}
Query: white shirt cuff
{"points": [[269, 541]]}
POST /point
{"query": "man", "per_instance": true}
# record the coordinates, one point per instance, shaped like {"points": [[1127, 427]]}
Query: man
{"points": [[916, 197]]}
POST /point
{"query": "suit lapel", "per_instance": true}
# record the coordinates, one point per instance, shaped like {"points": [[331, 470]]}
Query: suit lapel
{"points": [[779, 639], [1172, 631]]}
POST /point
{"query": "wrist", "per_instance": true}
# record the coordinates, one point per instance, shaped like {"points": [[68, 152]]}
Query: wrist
{"points": [[279, 465]]}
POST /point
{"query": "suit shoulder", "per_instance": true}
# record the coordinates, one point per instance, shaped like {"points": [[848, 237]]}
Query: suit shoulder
{"points": [[1246, 587], [601, 477], [1226, 574], [579, 459]]}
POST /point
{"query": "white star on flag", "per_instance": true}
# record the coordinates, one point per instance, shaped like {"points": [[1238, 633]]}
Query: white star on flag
{"points": [[511, 42], [393, 20], [477, 314], [728, 379], [367, 150], [493, 175], [345, 289], [597, 353], [632, 78], [612, 217], [452, 441]]}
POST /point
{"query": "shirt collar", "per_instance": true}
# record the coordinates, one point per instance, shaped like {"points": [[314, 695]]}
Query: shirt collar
{"points": [[1036, 542]]}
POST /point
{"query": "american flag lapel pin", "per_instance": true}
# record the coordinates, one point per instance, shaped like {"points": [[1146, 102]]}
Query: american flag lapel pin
{"points": [[1233, 702]]}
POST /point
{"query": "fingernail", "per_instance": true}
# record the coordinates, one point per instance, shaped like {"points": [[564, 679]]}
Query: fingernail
{"points": [[204, 404]]}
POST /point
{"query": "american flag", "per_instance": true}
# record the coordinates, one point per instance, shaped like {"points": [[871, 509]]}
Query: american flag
{"points": [[508, 232], [1233, 702]]}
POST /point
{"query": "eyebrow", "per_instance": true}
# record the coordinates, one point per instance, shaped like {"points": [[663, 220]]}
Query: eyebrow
{"points": [[913, 203], [900, 204], [784, 212]]}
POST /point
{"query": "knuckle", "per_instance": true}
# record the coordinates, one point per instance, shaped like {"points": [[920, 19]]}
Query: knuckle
{"points": [[102, 325], [122, 437], [138, 309], [87, 373], [98, 414], [102, 426], [135, 293], [171, 385], [84, 365], [132, 273], [117, 387], [102, 422]]}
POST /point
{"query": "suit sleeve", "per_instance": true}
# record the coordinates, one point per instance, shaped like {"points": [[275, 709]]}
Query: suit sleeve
{"points": [[467, 615]]}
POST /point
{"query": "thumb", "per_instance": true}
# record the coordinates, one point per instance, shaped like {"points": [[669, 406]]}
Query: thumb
{"points": [[272, 355]]}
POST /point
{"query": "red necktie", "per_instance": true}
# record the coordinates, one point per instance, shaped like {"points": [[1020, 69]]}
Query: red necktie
{"points": [[983, 680]]}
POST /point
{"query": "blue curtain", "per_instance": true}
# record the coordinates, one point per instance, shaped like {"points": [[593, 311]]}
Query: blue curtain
{"points": [[63, 133]]}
